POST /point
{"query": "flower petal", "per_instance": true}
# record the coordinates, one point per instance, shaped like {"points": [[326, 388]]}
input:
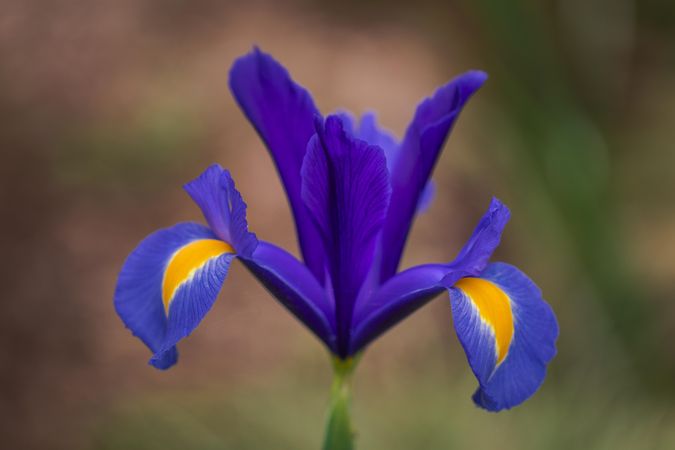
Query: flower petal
{"points": [[395, 300], [295, 287], [508, 333], [484, 240], [179, 270], [409, 290], [222, 206], [341, 174], [419, 152], [195, 296], [282, 113], [371, 132], [426, 197]]}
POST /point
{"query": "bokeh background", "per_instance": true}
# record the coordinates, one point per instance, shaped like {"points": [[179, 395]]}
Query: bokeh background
{"points": [[108, 107]]}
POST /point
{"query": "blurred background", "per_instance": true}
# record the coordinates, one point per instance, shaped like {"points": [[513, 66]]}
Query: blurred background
{"points": [[108, 107]]}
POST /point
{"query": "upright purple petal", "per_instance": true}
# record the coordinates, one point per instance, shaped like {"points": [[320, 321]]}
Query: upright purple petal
{"points": [[223, 208], [346, 190], [409, 290], [485, 238], [282, 112], [371, 132], [426, 197], [417, 157]]}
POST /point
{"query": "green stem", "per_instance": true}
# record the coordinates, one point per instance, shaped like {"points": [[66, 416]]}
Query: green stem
{"points": [[339, 431]]}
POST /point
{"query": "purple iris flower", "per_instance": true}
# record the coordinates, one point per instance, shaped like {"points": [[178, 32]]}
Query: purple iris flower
{"points": [[354, 191]]}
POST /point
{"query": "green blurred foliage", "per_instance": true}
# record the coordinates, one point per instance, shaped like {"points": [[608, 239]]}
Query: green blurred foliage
{"points": [[131, 153], [424, 410]]}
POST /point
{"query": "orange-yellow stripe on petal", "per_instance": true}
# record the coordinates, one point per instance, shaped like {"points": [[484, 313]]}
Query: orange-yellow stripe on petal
{"points": [[186, 261], [494, 307]]}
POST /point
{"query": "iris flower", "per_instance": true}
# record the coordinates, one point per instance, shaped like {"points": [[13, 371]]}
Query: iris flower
{"points": [[354, 191]]}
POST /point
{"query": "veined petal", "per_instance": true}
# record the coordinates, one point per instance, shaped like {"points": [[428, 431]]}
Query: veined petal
{"points": [[171, 280], [508, 333], [409, 290], [395, 300], [223, 208], [282, 112], [417, 157], [484, 240], [167, 285], [295, 287], [194, 296], [345, 187], [371, 132]]}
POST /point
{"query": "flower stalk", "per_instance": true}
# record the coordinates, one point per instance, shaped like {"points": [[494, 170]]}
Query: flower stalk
{"points": [[340, 433]]}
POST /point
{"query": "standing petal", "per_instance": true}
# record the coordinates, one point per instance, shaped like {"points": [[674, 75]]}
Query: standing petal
{"points": [[508, 333], [370, 131], [167, 285], [223, 208], [426, 198], [346, 190], [419, 152], [485, 238], [282, 113]]}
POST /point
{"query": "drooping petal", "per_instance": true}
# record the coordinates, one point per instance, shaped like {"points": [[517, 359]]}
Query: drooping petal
{"points": [[295, 287], [508, 333], [223, 208], [167, 285], [282, 112], [346, 190], [409, 290], [206, 266], [417, 156]]}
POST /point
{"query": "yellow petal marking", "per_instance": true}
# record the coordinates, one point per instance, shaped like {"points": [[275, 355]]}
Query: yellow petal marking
{"points": [[494, 307], [186, 261]]}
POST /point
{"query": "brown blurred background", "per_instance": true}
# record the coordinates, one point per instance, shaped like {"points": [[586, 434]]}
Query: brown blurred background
{"points": [[107, 107]]}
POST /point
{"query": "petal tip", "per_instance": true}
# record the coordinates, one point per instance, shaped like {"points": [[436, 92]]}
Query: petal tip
{"points": [[478, 75], [471, 81], [499, 211], [192, 185], [319, 123], [164, 360], [251, 65]]}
